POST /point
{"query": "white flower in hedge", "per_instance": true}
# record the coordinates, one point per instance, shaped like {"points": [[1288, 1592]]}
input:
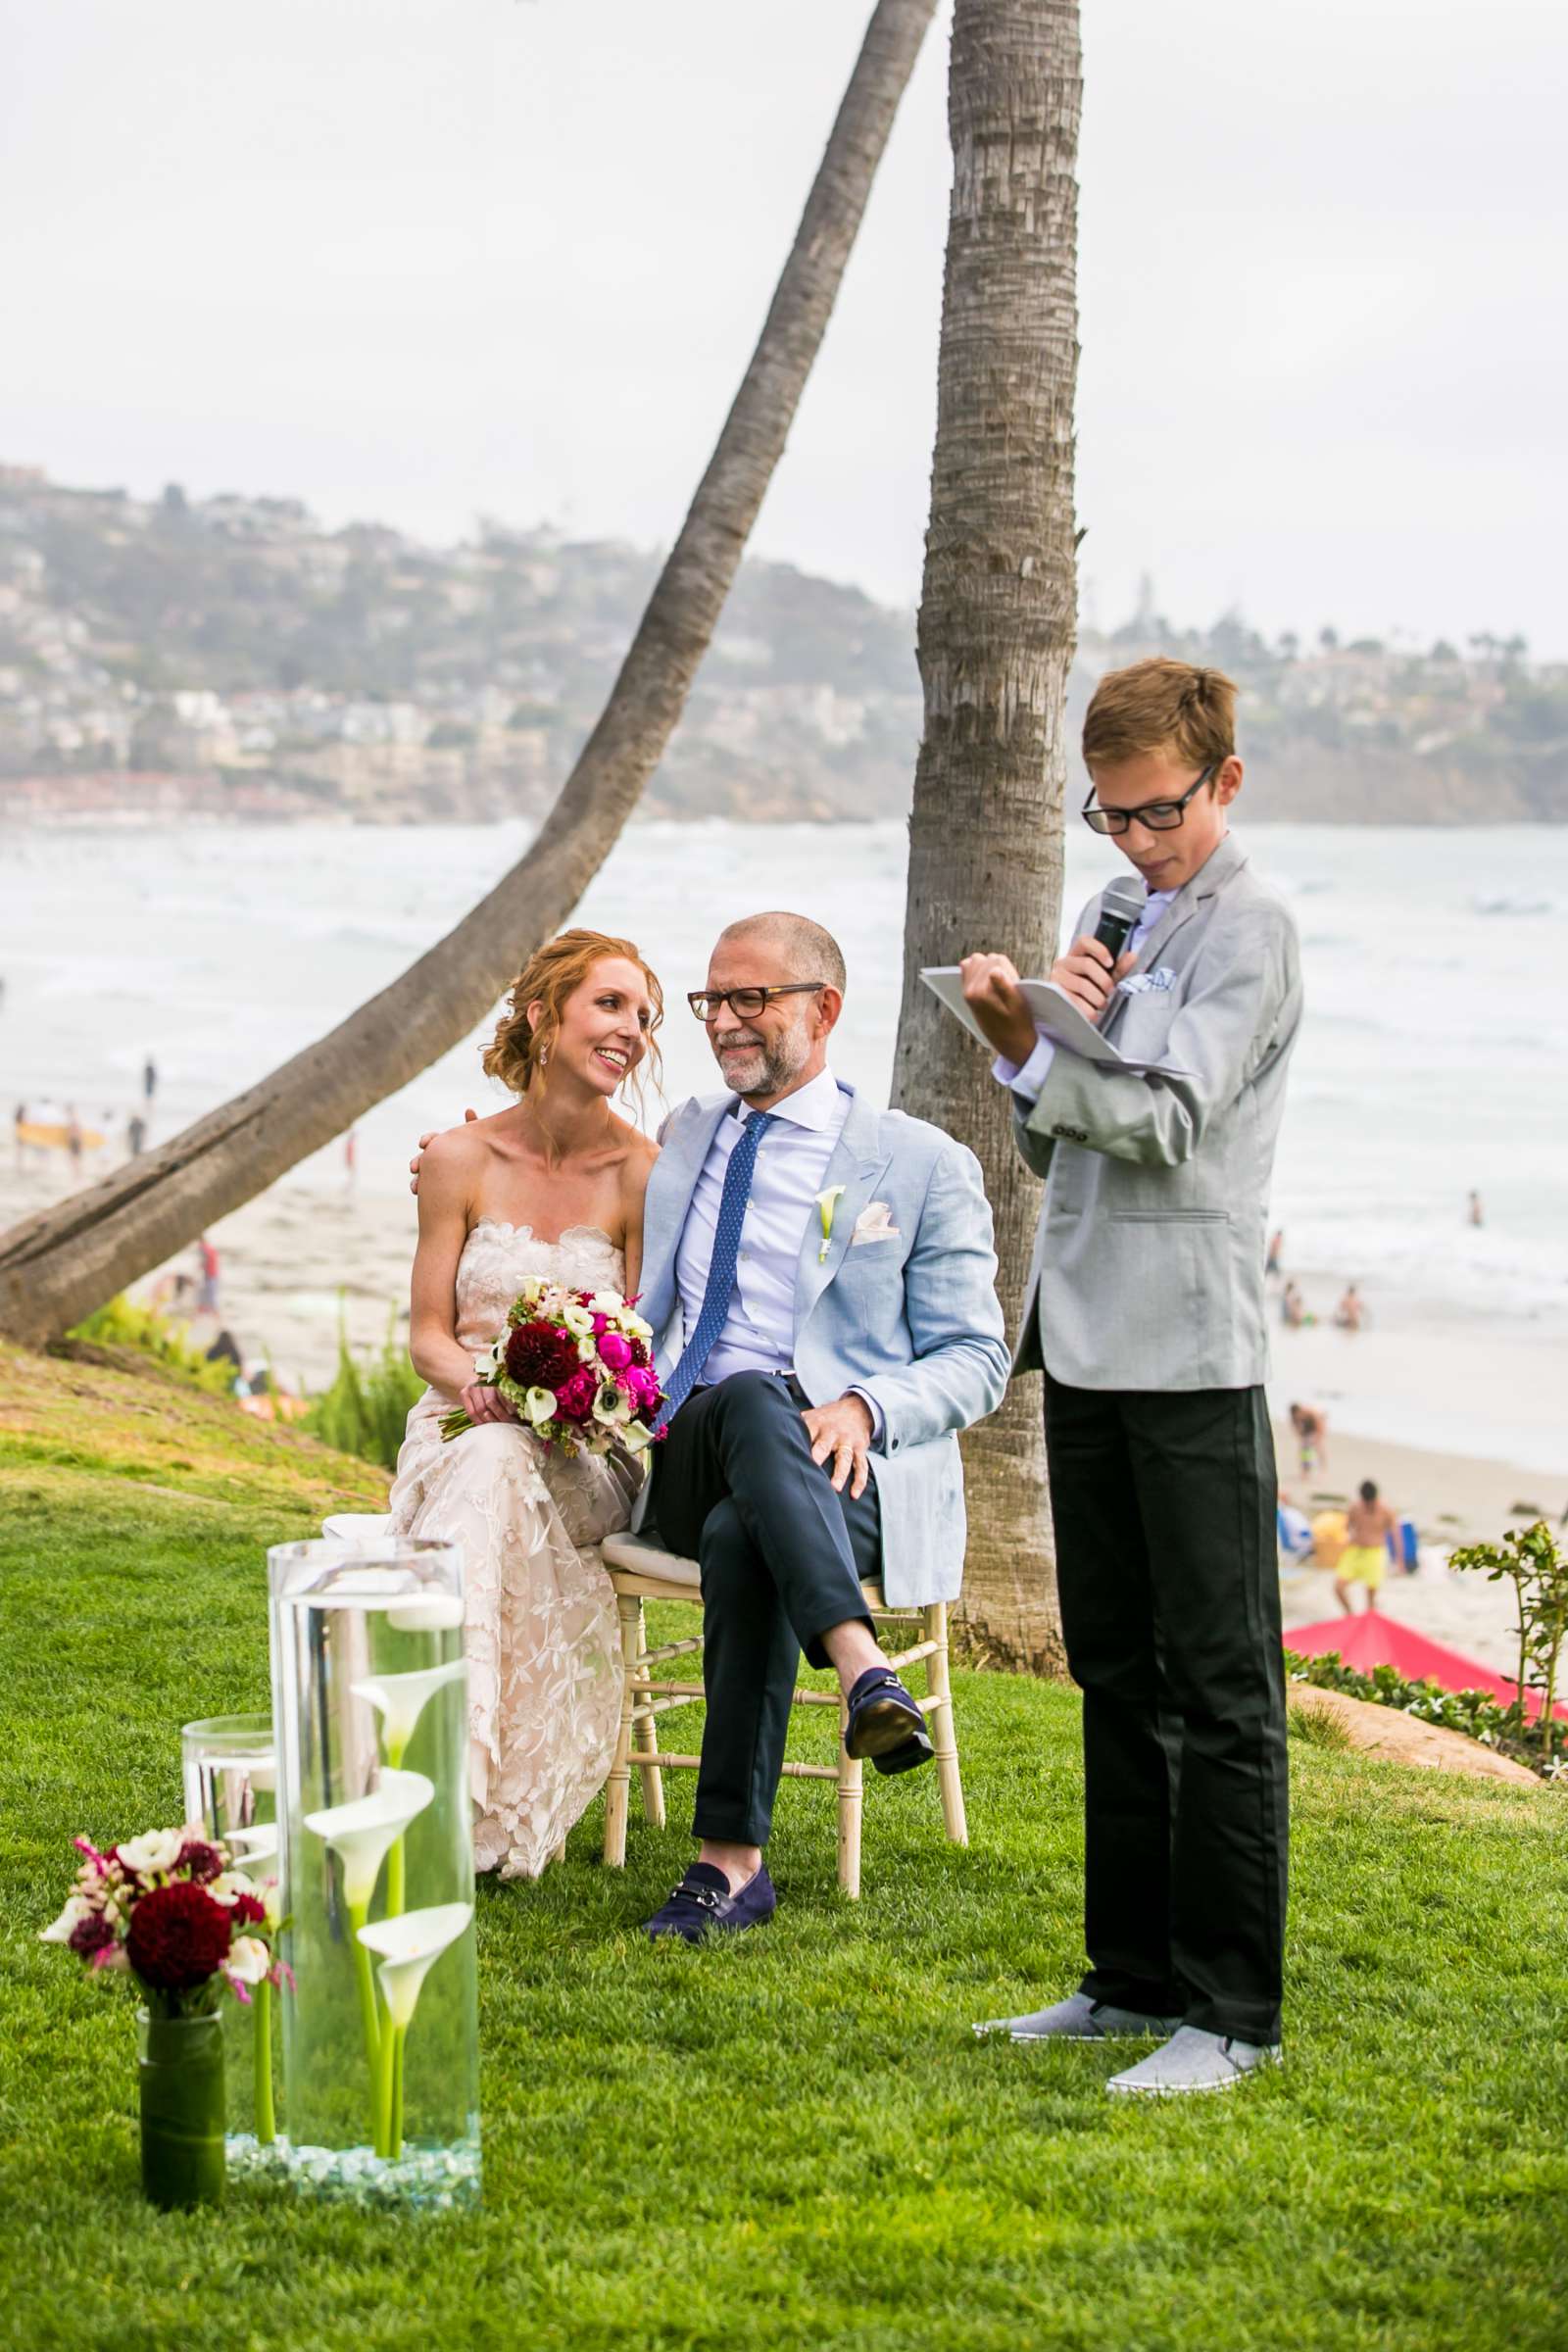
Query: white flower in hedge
{"points": [[77, 1908], [400, 1700], [248, 1960], [153, 1850], [360, 1833], [409, 1946]]}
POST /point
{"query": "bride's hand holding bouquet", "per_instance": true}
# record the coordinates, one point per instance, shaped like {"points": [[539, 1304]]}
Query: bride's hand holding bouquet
{"points": [[573, 1366]]}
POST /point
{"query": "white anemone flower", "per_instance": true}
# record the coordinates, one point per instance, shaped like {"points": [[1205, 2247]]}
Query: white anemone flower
{"points": [[360, 1833], [154, 1849], [248, 1960], [612, 1409], [77, 1908], [408, 1945], [400, 1700]]}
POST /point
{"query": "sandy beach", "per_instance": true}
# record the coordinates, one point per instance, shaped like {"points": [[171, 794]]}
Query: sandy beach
{"points": [[300, 1255]]}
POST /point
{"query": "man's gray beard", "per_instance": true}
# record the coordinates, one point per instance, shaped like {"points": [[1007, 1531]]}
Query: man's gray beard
{"points": [[781, 1063]]}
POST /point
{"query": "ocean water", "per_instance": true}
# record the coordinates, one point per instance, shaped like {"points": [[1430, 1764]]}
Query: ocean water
{"points": [[1434, 1057]]}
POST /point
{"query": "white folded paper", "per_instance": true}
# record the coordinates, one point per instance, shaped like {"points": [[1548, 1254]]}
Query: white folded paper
{"points": [[1052, 1010]]}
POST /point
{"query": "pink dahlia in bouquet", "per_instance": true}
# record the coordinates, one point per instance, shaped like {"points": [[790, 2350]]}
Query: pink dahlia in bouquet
{"points": [[167, 1908], [577, 1369]]}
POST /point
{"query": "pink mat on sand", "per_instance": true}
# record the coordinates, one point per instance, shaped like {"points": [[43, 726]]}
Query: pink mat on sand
{"points": [[1369, 1638]]}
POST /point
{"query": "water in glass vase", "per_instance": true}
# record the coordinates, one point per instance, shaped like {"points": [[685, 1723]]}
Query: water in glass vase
{"points": [[230, 1775], [380, 2023]]}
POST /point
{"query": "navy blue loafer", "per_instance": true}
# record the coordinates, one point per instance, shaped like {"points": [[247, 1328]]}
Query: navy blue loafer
{"points": [[885, 1723], [703, 1905]]}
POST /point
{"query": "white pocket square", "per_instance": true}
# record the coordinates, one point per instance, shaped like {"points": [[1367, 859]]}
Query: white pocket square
{"points": [[872, 1225]]}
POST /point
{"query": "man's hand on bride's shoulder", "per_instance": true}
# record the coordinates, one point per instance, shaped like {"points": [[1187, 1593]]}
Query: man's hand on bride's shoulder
{"points": [[426, 1141], [842, 1431]]}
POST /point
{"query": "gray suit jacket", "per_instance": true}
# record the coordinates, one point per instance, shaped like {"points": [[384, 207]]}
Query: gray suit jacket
{"points": [[1147, 1267], [902, 1301]]}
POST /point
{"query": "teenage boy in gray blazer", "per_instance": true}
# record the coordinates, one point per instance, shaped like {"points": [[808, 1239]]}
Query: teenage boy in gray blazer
{"points": [[1146, 1314]]}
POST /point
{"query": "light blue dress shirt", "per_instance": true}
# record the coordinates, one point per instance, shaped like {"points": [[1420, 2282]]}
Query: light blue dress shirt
{"points": [[759, 1332]]}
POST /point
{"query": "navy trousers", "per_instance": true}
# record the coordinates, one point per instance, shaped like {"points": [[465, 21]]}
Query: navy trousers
{"points": [[782, 1557]]}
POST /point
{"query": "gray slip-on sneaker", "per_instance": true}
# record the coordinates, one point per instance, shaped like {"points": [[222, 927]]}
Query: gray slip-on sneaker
{"points": [[1079, 2019], [1194, 2060]]}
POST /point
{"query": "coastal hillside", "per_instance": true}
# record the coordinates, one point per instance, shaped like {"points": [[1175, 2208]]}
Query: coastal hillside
{"points": [[231, 656]]}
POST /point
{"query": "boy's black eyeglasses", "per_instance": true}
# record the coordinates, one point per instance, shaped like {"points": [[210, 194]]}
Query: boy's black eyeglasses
{"points": [[1160, 816], [745, 1003]]}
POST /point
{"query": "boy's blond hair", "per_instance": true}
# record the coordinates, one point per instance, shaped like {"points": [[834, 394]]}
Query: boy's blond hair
{"points": [[1161, 706]]}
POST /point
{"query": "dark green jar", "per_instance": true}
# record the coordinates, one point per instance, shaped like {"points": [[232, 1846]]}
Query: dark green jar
{"points": [[181, 2075]]}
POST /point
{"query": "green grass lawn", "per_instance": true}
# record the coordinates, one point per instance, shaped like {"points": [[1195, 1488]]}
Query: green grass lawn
{"points": [[794, 2140]]}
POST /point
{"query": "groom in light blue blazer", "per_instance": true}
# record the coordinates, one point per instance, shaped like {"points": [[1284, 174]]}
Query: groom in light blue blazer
{"points": [[820, 1277]]}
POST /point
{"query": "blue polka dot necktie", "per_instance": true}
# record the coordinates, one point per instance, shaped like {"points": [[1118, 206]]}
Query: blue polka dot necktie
{"points": [[721, 1265]]}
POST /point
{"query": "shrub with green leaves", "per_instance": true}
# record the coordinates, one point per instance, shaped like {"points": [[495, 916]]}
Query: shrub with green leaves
{"points": [[365, 1409]]}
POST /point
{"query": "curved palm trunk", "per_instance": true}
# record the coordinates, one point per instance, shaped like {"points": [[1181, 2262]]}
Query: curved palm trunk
{"points": [[995, 638], [56, 1266]]}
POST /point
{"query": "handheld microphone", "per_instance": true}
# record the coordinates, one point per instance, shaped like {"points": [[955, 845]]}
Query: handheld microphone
{"points": [[1121, 904]]}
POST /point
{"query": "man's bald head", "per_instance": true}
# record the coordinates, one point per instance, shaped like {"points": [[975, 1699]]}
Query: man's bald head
{"points": [[809, 951]]}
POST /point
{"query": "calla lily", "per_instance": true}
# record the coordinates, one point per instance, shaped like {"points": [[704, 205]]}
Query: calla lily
{"points": [[540, 1407], [426, 1613], [400, 1700], [254, 1845], [826, 1202], [361, 1832], [408, 1946]]}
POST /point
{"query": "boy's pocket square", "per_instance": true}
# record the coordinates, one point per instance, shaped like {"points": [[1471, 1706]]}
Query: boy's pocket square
{"points": [[872, 1225]]}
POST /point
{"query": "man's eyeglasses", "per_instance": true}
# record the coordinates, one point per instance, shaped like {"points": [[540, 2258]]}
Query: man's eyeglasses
{"points": [[1160, 816], [745, 1003]]}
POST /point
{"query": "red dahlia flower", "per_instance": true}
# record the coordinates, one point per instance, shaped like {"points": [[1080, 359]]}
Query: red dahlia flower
{"points": [[539, 1355], [247, 1910], [179, 1936]]}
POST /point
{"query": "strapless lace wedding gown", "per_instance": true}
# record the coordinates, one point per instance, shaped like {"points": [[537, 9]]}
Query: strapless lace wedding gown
{"points": [[543, 1639]]}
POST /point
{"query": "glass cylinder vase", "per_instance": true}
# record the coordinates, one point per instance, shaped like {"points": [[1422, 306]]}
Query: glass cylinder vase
{"points": [[230, 1775], [380, 2009], [180, 2077]]}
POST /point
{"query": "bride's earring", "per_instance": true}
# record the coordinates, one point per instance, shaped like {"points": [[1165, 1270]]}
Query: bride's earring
{"points": [[544, 1056]]}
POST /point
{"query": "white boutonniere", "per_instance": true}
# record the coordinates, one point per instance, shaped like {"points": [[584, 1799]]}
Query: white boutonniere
{"points": [[826, 1202]]}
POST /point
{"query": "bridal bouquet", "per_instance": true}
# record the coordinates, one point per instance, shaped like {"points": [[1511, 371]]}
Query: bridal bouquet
{"points": [[167, 1908], [578, 1368]]}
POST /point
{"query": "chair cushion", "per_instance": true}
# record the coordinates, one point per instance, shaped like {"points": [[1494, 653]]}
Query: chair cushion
{"points": [[634, 1556]]}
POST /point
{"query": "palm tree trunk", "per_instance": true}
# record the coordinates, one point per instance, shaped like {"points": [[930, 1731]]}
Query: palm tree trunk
{"points": [[995, 638], [56, 1266]]}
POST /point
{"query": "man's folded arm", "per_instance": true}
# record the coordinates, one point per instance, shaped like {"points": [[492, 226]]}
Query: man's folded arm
{"points": [[1244, 994], [960, 1367]]}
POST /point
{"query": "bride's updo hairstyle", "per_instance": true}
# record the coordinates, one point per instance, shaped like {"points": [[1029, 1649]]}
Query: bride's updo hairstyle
{"points": [[519, 1052]]}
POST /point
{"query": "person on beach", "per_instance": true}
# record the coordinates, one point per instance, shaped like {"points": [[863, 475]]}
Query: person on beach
{"points": [[149, 1079], [207, 1281], [1310, 1424], [1474, 1212], [1292, 1310], [1369, 1530], [551, 1186], [1145, 1313], [1274, 1263], [1350, 1314]]}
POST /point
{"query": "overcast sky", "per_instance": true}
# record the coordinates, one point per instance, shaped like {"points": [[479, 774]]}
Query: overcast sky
{"points": [[419, 260]]}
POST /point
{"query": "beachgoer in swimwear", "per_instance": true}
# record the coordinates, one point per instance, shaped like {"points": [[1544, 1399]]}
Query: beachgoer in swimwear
{"points": [[1369, 1524]]}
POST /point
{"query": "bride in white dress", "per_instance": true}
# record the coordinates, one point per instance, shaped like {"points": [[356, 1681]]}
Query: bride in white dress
{"points": [[553, 1185]]}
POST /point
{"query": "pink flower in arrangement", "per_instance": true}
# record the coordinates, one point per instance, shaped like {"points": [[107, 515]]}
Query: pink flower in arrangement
{"points": [[614, 1351], [642, 1386], [601, 1326], [574, 1399]]}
